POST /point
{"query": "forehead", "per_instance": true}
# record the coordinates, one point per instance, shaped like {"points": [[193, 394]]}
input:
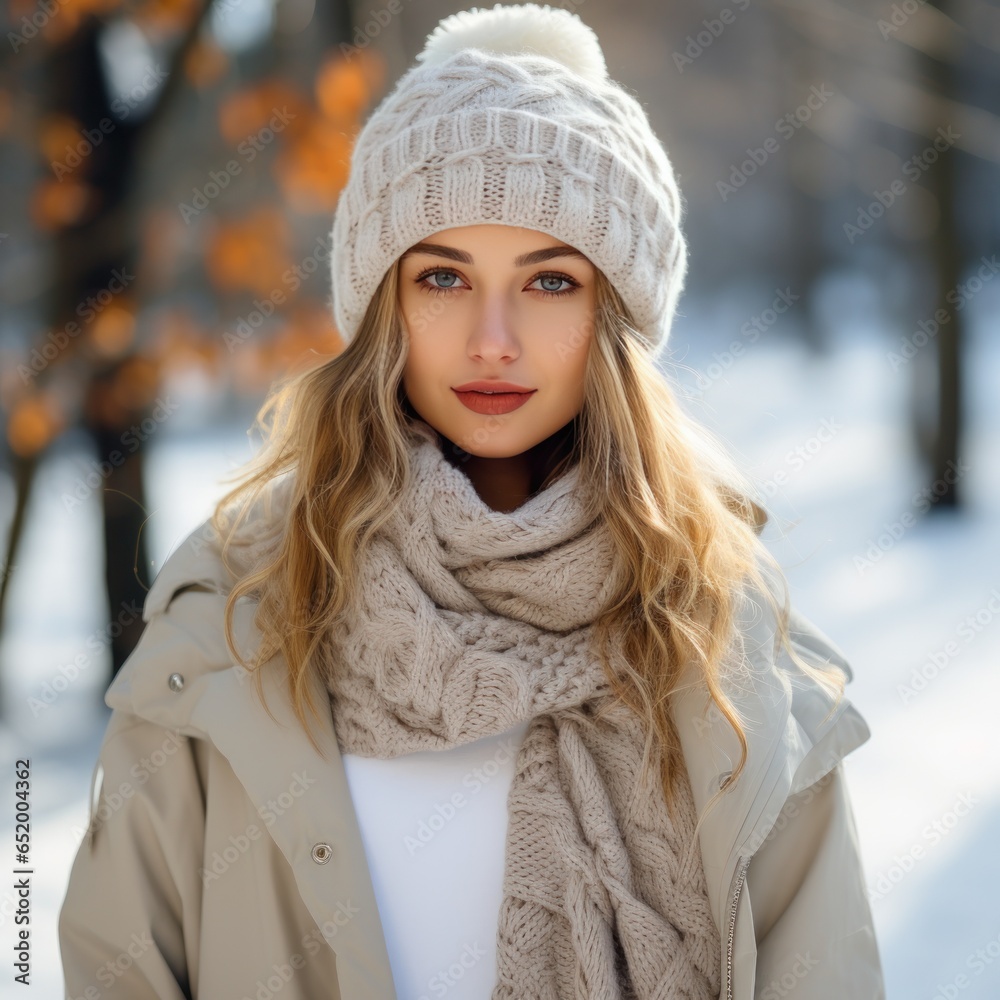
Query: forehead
{"points": [[499, 243]]}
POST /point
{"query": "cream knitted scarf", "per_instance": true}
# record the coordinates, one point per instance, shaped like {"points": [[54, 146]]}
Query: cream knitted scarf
{"points": [[470, 620]]}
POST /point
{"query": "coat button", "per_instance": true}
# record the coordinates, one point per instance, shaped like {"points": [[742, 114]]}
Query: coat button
{"points": [[321, 853], [175, 682]]}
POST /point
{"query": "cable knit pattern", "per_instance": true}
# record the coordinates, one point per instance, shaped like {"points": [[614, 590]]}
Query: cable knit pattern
{"points": [[521, 139], [469, 620]]}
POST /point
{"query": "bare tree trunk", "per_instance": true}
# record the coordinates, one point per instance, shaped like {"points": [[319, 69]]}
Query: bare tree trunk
{"points": [[948, 260]]}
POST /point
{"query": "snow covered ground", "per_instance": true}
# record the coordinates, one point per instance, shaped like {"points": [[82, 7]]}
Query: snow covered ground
{"points": [[914, 602]]}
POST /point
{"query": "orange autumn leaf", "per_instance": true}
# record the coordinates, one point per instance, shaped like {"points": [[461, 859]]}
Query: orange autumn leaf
{"points": [[55, 133], [314, 169], [247, 111], [55, 204], [112, 331], [345, 87], [168, 16], [205, 64], [342, 90], [250, 253], [33, 423]]}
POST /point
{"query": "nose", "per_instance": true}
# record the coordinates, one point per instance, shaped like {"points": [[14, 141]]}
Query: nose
{"points": [[493, 336]]}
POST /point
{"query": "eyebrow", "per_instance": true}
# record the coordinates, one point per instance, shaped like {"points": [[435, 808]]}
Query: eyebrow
{"points": [[463, 257]]}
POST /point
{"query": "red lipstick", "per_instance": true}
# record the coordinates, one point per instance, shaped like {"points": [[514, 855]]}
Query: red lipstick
{"points": [[491, 396]]}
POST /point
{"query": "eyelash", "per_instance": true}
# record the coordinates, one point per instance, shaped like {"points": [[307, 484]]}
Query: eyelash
{"points": [[436, 290]]}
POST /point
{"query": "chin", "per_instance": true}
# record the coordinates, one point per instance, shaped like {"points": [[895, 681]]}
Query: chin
{"points": [[487, 438]]}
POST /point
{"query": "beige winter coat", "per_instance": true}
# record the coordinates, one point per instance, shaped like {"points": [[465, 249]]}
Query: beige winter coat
{"points": [[224, 859]]}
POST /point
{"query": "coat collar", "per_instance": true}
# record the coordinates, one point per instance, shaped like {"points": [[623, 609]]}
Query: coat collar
{"points": [[791, 744], [217, 700]]}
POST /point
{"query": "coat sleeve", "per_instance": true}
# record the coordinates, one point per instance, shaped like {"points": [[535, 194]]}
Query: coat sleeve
{"points": [[130, 918], [811, 914]]}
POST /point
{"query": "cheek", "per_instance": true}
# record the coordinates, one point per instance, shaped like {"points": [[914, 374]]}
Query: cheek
{"points": [[566, 357], [418, 359], [421, 310], [414, 321], [427, 364], [430, 322]]}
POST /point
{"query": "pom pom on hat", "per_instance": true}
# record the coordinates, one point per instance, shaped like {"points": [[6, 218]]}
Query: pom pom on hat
{"points": [[514, 30]]}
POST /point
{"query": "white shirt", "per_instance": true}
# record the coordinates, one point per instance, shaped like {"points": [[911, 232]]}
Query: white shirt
{"points": [[434, 826]]}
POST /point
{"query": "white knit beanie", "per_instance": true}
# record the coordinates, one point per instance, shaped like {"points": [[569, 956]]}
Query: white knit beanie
{"points": [[510, 117]]}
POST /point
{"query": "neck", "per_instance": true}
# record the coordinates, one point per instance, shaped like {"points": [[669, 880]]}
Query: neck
{"points": [[504, 484]]}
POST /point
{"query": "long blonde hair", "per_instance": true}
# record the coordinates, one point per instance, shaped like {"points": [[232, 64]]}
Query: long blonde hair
{"points": [[685, 525]]}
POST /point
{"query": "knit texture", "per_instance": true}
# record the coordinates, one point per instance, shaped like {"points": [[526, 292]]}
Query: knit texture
{"points": [[496, 125], [469, 620]]}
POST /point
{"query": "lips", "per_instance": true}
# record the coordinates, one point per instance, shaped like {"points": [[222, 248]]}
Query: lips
{"points": [[493, 402], [491, 385]]}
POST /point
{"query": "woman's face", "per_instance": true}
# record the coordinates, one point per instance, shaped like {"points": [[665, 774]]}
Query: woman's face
{"points": [[491, 304]]}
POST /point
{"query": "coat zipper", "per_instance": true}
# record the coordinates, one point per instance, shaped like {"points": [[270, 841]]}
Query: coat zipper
{"points": [[743, 865]]}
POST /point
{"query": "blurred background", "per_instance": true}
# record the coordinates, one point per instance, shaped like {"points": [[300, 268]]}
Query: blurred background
{"points": [[170, 169]]}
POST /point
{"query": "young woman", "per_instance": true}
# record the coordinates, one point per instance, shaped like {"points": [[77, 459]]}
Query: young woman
{"points": [[481, 683]]}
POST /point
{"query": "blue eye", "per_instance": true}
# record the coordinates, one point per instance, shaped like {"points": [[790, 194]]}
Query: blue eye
{"points": [[556, 278], [448, 278], [447, 273]]}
